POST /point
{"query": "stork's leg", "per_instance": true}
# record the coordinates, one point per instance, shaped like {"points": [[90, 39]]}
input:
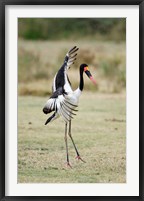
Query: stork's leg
{"points": [[69, 133], [68, 164]]}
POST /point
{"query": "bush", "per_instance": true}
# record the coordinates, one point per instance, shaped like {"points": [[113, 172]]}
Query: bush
{"points": [[71, 28], [113, 69], [30, 66]]}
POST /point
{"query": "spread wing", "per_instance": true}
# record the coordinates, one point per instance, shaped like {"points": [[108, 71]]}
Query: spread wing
{"points": [[68, 61], [60, 104], [66, 108], [70, 57]]}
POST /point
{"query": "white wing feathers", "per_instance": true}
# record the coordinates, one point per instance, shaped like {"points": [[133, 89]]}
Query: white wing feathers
{"points": [[62, 106], [66, 108]]}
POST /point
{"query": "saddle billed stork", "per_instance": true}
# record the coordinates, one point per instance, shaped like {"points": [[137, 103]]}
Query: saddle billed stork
{"points": [[64, 100]]}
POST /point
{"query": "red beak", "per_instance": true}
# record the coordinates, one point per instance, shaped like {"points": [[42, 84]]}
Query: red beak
{"points": [[92, 79]]}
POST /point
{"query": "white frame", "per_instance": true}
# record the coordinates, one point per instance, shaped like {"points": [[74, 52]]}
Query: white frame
{"points": [[131, 188]]}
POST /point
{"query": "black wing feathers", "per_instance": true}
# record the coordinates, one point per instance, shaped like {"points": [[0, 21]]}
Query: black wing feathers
{"points": [[58, 92]]}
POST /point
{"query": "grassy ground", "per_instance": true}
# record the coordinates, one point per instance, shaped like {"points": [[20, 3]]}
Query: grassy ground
{"points": [[99, 131]]}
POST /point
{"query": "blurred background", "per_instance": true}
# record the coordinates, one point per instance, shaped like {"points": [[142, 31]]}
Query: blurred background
{"points": [[43, 43]]}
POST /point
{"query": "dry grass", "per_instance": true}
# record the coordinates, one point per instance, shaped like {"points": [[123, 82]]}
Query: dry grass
{"points": [[99, 130], [40, 60]]}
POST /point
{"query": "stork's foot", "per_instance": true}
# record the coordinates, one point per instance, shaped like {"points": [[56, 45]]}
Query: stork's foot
{"points": [[69, 165], [79, 158]]}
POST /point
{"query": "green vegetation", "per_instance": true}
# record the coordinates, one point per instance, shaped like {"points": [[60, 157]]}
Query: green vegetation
{"points": [[72, 28], [99, 131]]}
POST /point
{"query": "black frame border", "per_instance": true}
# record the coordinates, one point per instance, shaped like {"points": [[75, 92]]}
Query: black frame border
{"points": [[3, 3]]}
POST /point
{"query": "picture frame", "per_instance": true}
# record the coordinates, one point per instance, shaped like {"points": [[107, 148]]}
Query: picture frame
{"points": [[3, 102]]}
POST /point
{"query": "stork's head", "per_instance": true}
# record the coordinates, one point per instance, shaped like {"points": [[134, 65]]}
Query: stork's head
{"points": [[85, 68]]}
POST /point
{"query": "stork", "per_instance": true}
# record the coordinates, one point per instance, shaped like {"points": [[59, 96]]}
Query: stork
{"points": [[64, 101]]}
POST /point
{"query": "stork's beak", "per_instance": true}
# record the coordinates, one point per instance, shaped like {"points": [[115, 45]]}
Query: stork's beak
{"points": [[86, 70]]}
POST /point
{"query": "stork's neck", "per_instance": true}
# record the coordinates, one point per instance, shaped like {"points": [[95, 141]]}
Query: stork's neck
{"points": [[81, 84]]}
